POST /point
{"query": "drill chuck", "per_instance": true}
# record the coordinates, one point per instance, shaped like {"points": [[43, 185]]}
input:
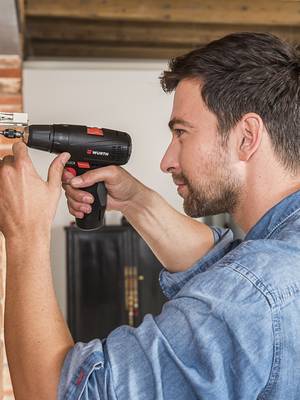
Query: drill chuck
{"points": [[40, 137]]}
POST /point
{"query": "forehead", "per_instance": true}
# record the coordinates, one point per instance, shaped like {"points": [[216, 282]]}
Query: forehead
{"points": [[188, 103]]}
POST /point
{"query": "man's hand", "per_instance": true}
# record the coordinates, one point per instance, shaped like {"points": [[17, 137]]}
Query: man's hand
{"points": [[176, 240], [36, 336], [123, 189], [26, 200]]}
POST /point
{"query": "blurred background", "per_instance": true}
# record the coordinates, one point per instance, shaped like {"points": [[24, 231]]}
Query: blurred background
{"points": [[97, 63]]}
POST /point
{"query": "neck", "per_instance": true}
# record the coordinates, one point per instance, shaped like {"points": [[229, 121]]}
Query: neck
{"points": [[262, 193]]}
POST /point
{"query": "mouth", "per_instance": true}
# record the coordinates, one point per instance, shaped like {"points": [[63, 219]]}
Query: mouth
{"points": [[178, 183], [180, 188], [181, 184]]}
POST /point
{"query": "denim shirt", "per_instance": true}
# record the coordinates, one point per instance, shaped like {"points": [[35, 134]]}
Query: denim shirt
{"points": [[230, 330]]}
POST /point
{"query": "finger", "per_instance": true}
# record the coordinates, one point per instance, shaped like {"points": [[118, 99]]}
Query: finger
{"points": [[96, 175], [67, 176], [8, 160], [76, 214], [20, 151], [22, 158], [77, 206], [78, 195], [56, 169]]}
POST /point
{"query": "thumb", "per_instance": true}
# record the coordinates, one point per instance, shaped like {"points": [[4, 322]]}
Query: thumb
{"points": [[56, 169]]}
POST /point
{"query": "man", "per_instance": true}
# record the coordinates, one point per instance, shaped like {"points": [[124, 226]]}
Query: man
{"points": [[231, 329]]}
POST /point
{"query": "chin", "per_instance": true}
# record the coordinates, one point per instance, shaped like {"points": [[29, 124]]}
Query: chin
{"points": [[182, 191]]}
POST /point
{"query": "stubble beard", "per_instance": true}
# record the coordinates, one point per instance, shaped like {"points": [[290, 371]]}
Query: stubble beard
{"points": [[211, 200], [218, 195]]}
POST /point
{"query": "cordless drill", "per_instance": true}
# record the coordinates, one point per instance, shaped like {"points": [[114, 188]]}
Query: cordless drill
{"points": [[90, 148]]}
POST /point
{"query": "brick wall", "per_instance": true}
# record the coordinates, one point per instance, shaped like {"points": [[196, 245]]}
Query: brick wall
{"points": [[10, 101]]}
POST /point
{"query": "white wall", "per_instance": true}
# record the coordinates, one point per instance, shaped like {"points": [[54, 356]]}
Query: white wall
{"points": [[121, 95]]}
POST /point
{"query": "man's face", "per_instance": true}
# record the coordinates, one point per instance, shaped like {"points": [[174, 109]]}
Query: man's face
{"points": [[201, 165]]}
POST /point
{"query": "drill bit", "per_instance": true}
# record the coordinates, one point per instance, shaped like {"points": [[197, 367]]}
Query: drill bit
{"points": [[13, 125], [11, 133]]}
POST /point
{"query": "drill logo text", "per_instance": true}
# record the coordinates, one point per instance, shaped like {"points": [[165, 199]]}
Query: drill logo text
{"points": [[97, 153]]}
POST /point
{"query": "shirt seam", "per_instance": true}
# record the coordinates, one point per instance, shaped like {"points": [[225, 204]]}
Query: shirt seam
{"points": [[276, 364], [292, 290], [282, 222], [172, 287], [167, 341], [111, 374], [265, 291], [276, 327]]}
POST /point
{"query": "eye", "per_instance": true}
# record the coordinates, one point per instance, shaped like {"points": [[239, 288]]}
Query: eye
{"points": [[179, 132]]}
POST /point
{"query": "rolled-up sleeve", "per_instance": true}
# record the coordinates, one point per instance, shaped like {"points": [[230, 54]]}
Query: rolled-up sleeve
{"points": [[172, 282], [83, 371]]}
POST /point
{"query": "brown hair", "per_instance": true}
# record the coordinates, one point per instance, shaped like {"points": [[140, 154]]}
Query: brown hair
{"points": [[248, 72]]}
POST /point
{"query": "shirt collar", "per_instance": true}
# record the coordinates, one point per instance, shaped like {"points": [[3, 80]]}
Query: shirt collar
{"points": [[275, 217]]}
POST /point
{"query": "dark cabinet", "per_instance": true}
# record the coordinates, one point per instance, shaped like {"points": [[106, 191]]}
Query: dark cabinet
{"points": [[112, 279]]}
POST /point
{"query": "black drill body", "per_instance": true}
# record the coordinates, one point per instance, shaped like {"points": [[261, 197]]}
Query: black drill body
{"points": [[90, 148]]}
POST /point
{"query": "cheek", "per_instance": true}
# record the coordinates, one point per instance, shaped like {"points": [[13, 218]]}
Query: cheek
{"points": [[203, 164], [191, 161], [193, 154], [186, 156], [200, 159]]}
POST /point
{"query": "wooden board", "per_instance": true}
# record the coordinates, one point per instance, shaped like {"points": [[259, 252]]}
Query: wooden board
{"points": [[148, 29], [11, 99], [201, 11]]}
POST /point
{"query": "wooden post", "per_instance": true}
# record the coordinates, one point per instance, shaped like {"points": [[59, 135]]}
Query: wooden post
{"points": [[10, 93], [10, 101]]}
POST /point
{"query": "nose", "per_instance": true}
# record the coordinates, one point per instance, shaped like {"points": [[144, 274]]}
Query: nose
{"points": [[170, 160]]}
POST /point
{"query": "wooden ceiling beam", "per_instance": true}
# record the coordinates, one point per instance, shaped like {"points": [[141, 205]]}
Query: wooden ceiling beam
{"points": [[167, 34], [148, 29], [76, 50], [233, 12]]}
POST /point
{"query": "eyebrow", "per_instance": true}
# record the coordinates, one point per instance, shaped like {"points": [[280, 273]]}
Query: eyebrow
{"points": [[179, 121]]}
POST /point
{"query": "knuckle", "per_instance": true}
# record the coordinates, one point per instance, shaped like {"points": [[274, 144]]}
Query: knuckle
{"points": [[92, 176], [70, 192], [83, 197], [114, 170], [71, 209], [73, 212], [76, 214], [74, 204], [70, 203], [67, 190], [78, 195]]}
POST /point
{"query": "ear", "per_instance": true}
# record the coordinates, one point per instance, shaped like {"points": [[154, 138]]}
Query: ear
{"points": [[250, 135]]}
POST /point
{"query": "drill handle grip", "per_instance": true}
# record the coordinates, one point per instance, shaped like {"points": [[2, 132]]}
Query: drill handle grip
{"points": [[95, 219]]}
